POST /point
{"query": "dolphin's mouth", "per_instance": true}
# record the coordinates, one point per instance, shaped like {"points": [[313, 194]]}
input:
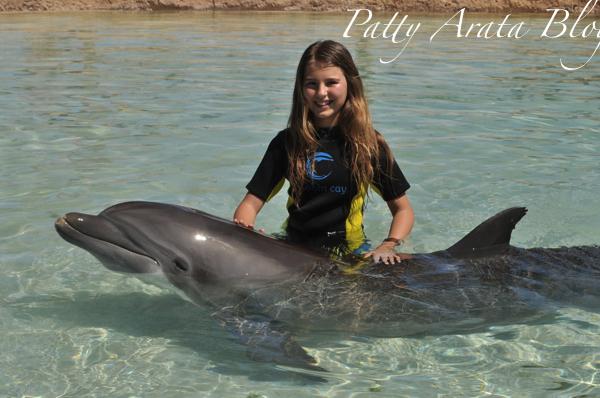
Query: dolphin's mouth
{"points": [[105, 243]]}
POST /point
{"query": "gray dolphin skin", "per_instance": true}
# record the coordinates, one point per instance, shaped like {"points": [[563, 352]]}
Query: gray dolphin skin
{"points": [[262, 288]]}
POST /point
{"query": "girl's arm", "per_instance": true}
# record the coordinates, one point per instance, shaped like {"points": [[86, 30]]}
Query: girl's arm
{"points": [[402, 223], [404, 217], [245, 214]]}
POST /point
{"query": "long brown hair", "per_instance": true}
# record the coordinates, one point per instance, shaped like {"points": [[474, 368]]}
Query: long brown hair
{"points": [[362, 141]]}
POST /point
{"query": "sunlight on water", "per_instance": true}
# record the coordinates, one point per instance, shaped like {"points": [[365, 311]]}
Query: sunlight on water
{"points": [[98, 108]]}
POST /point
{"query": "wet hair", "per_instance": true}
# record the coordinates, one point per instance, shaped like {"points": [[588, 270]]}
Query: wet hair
{"points": [[363, 144]]}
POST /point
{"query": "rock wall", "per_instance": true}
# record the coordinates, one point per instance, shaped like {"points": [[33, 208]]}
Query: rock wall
{"points": [[426, 6]]}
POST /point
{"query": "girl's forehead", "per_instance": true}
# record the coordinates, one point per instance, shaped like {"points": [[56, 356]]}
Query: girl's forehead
{"points": [[314, 68]]}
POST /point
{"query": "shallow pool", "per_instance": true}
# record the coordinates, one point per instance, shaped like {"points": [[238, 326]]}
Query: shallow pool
{"points": [[98, 108]]}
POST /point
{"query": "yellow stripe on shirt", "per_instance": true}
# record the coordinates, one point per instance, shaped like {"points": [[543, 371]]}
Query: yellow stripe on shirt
{"points": [[354, 223]]}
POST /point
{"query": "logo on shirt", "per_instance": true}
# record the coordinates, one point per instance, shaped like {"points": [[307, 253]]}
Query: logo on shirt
{"points": [[319, 157]]}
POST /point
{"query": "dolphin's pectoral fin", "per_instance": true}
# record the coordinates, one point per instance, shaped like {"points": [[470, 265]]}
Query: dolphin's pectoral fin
{"points": [[490, 237], [264, 343]]}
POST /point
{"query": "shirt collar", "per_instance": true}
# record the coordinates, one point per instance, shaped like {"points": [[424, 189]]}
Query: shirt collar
{"points": [[328, 132]]}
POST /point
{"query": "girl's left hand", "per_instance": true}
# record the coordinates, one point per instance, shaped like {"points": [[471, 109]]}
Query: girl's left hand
{"points": [[385, 253]]}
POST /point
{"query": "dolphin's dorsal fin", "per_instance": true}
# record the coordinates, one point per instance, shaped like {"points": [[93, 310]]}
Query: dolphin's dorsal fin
{"points": [[491, 236]]}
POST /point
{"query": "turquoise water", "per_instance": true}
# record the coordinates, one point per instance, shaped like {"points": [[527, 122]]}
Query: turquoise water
{"points": [[98, 108]]}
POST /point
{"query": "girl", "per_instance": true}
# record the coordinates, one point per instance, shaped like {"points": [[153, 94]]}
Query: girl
{"points": [[330, 154]]}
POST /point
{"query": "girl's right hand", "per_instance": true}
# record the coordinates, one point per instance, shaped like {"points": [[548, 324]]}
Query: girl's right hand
{"points": [[249, 226], [247, 210], [243, 223]]}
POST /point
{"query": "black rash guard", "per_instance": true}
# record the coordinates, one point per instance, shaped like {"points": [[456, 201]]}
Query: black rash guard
{"points": [[330, 200]]}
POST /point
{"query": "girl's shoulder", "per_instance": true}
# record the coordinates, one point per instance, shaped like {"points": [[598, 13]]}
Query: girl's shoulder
{"points": [[278, 142], [385, 152], [283, 134], [380, 139]]}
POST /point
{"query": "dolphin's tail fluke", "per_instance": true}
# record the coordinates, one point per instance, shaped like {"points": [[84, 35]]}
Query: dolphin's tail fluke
{"points": [[490, 237]]}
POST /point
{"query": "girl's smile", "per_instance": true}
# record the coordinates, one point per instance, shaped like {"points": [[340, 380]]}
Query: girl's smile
{"points": [[325, 91]]}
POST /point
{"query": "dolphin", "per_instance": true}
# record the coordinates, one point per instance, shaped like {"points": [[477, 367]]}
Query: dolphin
{"points": [[260, 287]]}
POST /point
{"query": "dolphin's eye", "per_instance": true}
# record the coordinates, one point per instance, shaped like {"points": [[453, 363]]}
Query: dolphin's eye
{"points": [[180, 264]]}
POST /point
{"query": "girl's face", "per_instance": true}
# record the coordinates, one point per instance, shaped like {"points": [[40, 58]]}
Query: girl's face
{"points": [[325, 91]]}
